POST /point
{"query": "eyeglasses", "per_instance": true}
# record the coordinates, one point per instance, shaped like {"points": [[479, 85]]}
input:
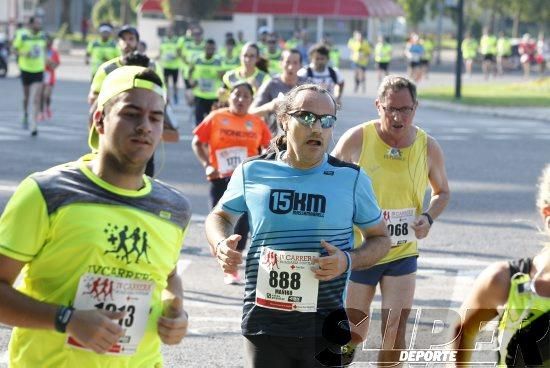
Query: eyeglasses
{"points": [[308, 118], [406, 110]]}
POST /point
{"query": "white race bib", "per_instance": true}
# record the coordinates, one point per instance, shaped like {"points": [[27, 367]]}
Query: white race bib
{"points": [[206, 85], [169, 56], [229, 158], [117, 294], [286, 282], [399, 225]]}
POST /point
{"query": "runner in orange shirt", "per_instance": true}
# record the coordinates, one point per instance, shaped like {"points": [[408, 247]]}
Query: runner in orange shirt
{"points": [[224, 139]]}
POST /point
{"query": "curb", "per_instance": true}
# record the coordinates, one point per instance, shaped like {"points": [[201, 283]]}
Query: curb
{"points": [[525, 113]]}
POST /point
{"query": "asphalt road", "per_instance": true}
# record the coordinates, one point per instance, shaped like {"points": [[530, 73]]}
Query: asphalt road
{"points": [[492, 163]]}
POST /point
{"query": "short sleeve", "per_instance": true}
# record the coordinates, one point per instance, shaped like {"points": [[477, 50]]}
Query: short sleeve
{"points": [[90, 47], [367, 212], [25, 224], [339, 76], [17, 42], [233, 200], [98, 79], [204, 130], [263, 95]]}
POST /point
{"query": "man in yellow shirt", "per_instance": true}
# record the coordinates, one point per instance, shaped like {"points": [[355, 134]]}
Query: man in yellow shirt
{"points": [[401, 160], [360, 54], [102, 240], [31, 57]]}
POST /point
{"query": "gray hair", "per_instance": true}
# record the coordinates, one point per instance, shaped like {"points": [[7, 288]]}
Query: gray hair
{"points": [[395, 83]]}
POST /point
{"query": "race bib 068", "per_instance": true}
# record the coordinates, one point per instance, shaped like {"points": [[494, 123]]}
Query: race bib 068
{"points": [[399, 223]]}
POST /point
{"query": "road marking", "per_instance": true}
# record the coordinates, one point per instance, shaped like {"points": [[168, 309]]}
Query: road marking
{"points": [[454, 262], [451, 138], [212, 305]]}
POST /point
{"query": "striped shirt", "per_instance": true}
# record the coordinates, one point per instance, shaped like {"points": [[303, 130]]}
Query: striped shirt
{"points": [[293, 209]]}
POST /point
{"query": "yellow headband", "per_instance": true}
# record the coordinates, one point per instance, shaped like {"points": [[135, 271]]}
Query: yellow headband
{"points": [[121, 80]]}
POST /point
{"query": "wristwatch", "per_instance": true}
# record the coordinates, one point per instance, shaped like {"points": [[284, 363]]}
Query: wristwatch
{"points": [[430, 219]]}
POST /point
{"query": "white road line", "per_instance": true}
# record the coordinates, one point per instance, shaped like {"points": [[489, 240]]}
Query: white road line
{"points": [[452, 261], [211, 305], [4, 358], [451, 138]]}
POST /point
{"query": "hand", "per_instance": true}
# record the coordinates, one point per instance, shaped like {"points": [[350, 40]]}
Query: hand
{"points": [[96, 329], [211, 173], [421, 227], [331, 266], [229, 258], [172, 325]]}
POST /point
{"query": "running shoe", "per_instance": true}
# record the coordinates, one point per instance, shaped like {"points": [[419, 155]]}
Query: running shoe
{"points": [[348, 353], [34, 133], [175, 99], [25, 121], [232, 278]]}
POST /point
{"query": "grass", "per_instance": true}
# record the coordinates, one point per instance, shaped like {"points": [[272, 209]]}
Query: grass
{"points": [[523, 94]]}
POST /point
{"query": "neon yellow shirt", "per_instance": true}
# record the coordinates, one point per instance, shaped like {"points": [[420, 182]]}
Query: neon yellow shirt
{"points": [[108, 66], [399, 179], [31, 48], [469, 48], [382, 52], [206, 72], [488, 45], [170, 53], [523, 310], [75, 223], [101, 52], [360, 51]]}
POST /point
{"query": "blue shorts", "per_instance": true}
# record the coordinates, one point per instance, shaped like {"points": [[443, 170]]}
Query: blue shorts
{"points": [[372, 276]]}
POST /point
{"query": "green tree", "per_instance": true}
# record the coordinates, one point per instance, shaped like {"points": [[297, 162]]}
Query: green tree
{"points": [[112, 11], [193, 10], [415, 11]]}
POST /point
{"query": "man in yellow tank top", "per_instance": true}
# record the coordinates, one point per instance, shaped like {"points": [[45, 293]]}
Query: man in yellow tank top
{"points": [[401, 160]]}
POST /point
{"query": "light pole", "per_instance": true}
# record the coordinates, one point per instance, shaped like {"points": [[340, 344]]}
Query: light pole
{"points": [[459, 36]]}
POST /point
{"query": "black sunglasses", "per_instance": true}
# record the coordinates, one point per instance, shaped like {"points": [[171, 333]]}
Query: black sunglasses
{"points": [[309, 118]]}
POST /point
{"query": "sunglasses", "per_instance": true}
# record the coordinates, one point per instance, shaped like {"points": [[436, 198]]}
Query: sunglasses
{"points": [[308, 118]]}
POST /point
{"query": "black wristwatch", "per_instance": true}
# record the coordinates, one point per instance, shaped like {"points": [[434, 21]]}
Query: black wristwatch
{"points": [[430, 219], [62, 318]]}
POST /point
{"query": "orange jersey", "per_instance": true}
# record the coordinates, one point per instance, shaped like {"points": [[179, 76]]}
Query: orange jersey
{"points": [[232, 138]]}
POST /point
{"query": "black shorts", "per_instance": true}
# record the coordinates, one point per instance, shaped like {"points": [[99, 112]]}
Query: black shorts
{"points": [[424, 62], [171, 73], [383, 66], [28, 78], [414, 64], [489, 57], [265, 351]]}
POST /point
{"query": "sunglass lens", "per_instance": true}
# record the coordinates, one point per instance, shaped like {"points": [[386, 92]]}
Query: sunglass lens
{"points": [[328, 121]]}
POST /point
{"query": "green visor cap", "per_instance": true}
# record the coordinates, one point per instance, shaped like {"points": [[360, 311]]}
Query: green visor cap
{"points": [[121, 80]]}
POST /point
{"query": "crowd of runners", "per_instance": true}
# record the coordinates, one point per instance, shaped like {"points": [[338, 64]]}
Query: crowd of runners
{"points": [[319, 231]]}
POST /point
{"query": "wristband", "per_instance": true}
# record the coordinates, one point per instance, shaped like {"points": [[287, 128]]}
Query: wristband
{"points": [[430, 219], [348, 256], [62, 317], [218, 246]]}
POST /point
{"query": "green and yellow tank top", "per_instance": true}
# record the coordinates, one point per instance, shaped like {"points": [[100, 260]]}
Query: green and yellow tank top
{"points": [[399, 178], [524, 322]]}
